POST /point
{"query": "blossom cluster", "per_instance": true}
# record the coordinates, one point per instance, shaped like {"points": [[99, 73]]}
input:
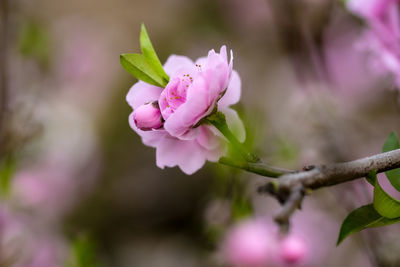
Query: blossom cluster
{"points": [[169, 119]]}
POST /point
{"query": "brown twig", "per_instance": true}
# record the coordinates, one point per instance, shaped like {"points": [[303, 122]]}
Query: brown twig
{"points": [[292, 203], [337, 173], [289, 188]]}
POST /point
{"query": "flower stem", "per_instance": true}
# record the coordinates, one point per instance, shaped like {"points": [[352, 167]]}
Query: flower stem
{"points": [[258, 168], [218, 120]]}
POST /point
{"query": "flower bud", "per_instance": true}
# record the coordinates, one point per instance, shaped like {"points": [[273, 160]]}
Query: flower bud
{"points": [[147, 117], [293, 249]]}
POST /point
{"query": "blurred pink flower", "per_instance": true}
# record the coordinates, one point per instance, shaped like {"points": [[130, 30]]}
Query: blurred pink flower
{"points": [[293, 249], [47, 188], [11, 236], [257, 243], [46, 253], [249, 244], [368, 8], [194, 91], [22, 246], [383, 35], [357, 78]]}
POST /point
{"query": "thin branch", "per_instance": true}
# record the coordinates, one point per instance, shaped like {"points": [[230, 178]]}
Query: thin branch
{"points": [[258, 168], [289, 189], [291, 204], [337, 173]]}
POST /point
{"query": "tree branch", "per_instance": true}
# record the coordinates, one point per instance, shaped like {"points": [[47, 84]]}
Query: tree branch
{"points": [[337, 173], [292, 203], [290, 188]]}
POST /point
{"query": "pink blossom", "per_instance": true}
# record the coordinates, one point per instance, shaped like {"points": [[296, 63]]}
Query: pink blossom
{"points": [[383, 34], [249, 244], [368, 8], [194, 91], [293, 249]]}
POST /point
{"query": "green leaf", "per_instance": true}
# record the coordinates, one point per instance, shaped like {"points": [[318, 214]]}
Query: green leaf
{"points": [[83, 253], [362, 218], [384, 204], [150, 54], [7, 169], [138, 66], [371, 177], [34, 42], [392, 143]]}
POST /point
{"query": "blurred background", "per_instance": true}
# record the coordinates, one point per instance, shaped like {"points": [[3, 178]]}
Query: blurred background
{"points": [[78, 187]]}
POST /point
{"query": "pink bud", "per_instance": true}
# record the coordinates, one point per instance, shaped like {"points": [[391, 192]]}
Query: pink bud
{"points": [[293, 249], [147, 116], [248, 244]]}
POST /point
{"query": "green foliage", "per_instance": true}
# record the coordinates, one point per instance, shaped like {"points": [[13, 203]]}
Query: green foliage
{"points": [[384, 204], [83, 253], [392, 143], [150, 54], [241, 207], [385, 209], [7, 170], [34, 42], [138, 66], [147, 66], [362, 218], [371, 177]]}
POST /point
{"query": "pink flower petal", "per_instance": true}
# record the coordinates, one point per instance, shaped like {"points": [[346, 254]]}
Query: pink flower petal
{"points": [[202, 61], [216, 153], [188, 155], [207, 138], [189, 113], [141, 93], [233, 93], [174, 63], [149, 138], [235, 123]]}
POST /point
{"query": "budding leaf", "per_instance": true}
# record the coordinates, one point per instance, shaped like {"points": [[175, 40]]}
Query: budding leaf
{"points": [[392, 143], [384, 204], [138, 66], [362, 218], [151, 55]]}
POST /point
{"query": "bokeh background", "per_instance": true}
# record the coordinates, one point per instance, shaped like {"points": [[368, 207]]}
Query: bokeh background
{"points": [[78, 184]]}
